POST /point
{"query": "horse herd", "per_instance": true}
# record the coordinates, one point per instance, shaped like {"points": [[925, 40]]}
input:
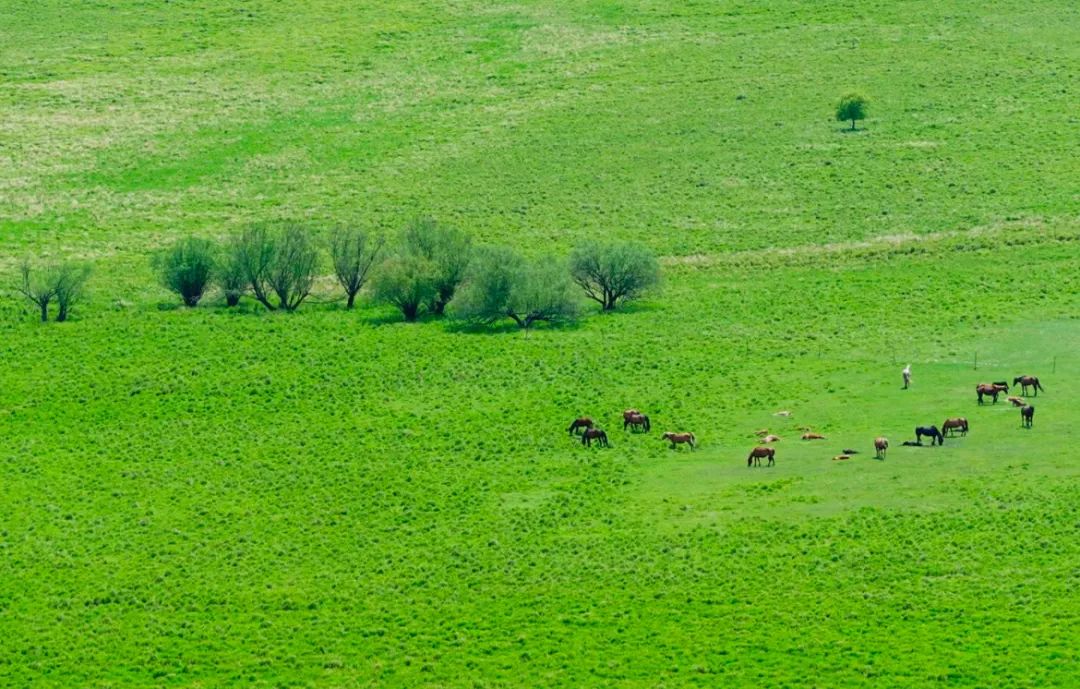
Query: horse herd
{"points": [[634, 420]]}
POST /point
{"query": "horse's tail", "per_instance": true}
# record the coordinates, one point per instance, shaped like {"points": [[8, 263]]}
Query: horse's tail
{"points": [[570, 428], [584, 438], [1038, 385], [693, 440], [648, 426]]}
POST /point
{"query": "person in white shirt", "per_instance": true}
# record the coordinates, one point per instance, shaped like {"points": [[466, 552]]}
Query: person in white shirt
{"points": [[907, 376]]}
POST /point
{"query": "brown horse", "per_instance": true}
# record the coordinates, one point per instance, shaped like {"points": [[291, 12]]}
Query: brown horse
{"points": [[1027, 415], [758, 452], [953, 425], [770, 439], [990, 390], [1016, 401], [629, 412], [880, 446], [1028, 381], [677, 438], [635, 421], [596, 434], [812, 436], [580, 422]]}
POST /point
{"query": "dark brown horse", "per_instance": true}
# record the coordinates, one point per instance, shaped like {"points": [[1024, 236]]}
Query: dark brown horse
{"points": [[580, 422], [990, 390], [677, 438], [880, 446], [1027, 415], [596, 434], [950, 426], [635, 421], [930, 432], [1026, 382], [629, 412], [757, 453]]}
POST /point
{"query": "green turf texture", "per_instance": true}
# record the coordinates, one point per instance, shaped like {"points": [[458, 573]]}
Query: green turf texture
{"points": [[208, 498]]}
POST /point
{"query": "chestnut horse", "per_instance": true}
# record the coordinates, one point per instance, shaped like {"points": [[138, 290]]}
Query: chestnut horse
{"points": [[1028, 381], [880, 446], [990, 390], [952, 425], [930, 432], [580, 422], [677, 438], [634, 421], [758, 452], [596, 434], [1027, 415]]}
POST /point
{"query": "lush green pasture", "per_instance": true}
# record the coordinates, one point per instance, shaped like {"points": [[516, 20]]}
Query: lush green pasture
{"points": [[203, 498]]}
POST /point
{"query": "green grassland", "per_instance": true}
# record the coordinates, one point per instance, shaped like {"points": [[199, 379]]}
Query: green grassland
{"points": [[213, 497]]}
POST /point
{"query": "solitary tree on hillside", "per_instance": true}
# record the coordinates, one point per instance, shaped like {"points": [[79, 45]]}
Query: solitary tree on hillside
{"points": [[186, 268], [613, 272], [448, 252], [353, 252], [501, 284], [406, 281], [852, 106]]}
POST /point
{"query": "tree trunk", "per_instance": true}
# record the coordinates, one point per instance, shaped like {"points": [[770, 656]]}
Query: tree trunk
{"points": [[410, 311], [44, 311], [853, 124], [351, 299], [232, 298], [61, 315], [438, 306]]}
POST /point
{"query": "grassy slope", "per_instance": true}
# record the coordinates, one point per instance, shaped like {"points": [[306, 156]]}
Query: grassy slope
{"points": [[337, 499]]}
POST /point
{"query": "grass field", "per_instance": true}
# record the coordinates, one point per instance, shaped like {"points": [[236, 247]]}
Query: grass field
{"points": [[212, 497]]}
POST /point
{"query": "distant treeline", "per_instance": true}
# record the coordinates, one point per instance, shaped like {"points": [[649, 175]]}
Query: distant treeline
{"points": [[426, 268]]}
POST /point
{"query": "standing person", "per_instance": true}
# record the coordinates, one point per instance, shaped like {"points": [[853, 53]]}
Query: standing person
{"points": [[907, 376]]}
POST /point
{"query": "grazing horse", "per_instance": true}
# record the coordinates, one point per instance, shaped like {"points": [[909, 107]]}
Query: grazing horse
{"points": [[580, 422], [880, 446], [812, 436], [953, 425], [1027, 415], [596, 434], [1028, 381], [757, 453], [629, 412], [635, 421], [930, 432], [1016, 401], [677, 438], [991, 390]]}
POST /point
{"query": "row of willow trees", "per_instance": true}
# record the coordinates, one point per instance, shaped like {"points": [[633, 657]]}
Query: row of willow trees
{"points": [[424, 269], [427, 268]]}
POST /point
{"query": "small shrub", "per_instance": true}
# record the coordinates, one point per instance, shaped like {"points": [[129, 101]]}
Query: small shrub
{"points": [[406, 281], [186, 268]]}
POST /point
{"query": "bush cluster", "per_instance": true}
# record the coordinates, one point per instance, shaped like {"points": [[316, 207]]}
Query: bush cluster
{"points": [[427, 268]]}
